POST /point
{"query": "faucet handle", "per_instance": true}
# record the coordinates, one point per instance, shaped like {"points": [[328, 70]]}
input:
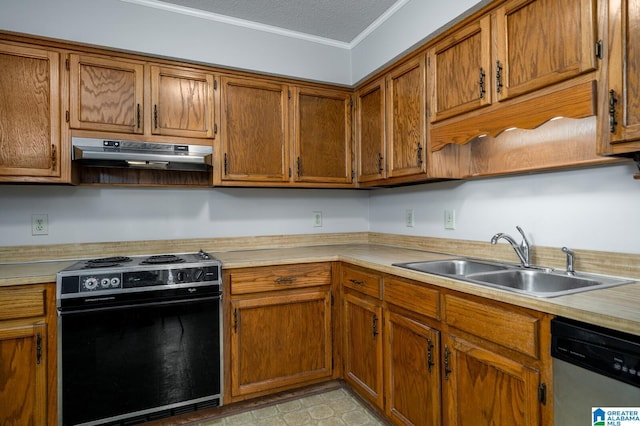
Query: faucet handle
{"points": [[525, 242]]}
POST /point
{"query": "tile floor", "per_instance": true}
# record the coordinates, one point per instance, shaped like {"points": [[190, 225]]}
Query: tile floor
{"points": [[331, 408]]}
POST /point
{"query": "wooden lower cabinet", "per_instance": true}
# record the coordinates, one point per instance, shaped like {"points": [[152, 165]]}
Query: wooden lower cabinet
{"points": [[412, 373], [362, 346], [482, 387], [27, 355], [279, 328]]}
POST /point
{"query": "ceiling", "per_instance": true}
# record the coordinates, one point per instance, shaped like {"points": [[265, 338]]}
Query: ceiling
{"points": [[339, 21]]}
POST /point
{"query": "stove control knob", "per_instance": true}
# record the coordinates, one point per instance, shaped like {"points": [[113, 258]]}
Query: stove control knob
{"points": [[115, 282], [198, 274], [182, 276], [91, 283], [105, 282]]}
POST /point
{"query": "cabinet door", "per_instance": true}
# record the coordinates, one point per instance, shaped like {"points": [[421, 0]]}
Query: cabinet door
{"points": [[254, 117], [370, 132], [182, 102], [481, 387], [362, 348], [542, 42], [106, 94], [624, 71], [460, 71], [29, 112], [406, 119], [279, 341], [23, 368], [412, 372], [322, 136]]}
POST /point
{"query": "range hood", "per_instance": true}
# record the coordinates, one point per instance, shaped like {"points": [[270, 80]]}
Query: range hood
{"points": [[147, 155]]}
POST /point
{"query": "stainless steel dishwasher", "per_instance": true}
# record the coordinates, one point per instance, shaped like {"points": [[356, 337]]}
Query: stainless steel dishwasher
{"points": [[593, 367]]}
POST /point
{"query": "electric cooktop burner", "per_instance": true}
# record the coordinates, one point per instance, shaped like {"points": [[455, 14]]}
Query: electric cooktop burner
{"points": [[162, 259]]}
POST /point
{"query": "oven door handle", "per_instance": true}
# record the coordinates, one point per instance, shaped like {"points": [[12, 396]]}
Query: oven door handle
{"points": [[71, 311]]}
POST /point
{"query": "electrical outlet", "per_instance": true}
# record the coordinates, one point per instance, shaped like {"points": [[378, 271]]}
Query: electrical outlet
{"points": [[449, 219], [317, 219], [39, 224], [408, 218]]}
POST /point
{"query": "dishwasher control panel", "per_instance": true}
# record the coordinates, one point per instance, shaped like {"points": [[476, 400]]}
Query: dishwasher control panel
{"points": [[609, 352]]}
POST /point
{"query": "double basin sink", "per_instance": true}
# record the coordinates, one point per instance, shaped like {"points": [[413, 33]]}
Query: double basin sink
{"points": [[539, 282]]}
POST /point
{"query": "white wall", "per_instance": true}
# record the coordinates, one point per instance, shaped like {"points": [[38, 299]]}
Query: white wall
{"points": [[594, 209], [90, 214]]}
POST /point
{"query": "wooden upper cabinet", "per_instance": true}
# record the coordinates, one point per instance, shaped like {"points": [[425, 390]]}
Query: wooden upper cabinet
{"points": [[29, 112], [406, 119], [322, 128], [106, 94], [459, 68], [182, 102], [542, 42], [254, 117], [621, 113], [370, 132]]}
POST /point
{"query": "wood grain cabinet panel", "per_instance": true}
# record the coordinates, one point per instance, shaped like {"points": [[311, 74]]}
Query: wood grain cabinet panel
{"points": [[255, 138], [106, 94], [29, 113], [322, 128], [483, 388], [460, 78], [406, 133], [542, 42], [283, 277], [182, 102], [412, 371], [620, 90], [28, 353], [363, 346], [370, 132]]}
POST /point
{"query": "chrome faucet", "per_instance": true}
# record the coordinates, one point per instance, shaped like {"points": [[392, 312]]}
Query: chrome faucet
{"points": [[523, 250]]}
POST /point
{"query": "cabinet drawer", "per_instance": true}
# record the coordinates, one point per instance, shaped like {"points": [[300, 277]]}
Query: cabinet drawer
{"points": [[514, 330], [362, 281], [412, 296], [15, 304], [282, 277]]}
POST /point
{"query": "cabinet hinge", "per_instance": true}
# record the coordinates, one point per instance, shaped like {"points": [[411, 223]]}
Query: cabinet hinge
{"points": [[215, 128], [67, 116], [289, 94], [599, 49], [428, 60], [351, 103], [67, 64], [38, 348], [332, 300], [215, 84], [353, 174], [542, 393], [235, 320], [54, 158], [289, 172]]}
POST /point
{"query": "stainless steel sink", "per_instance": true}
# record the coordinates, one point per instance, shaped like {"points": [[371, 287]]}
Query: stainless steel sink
{"points": [[533, 282], [544, 284], [453, 267]]}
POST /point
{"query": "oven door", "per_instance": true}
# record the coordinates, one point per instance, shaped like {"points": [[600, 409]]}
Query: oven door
{"points": [[139, 362]]}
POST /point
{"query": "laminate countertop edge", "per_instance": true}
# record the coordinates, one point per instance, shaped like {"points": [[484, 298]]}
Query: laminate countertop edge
{"points": [[617, 308]]}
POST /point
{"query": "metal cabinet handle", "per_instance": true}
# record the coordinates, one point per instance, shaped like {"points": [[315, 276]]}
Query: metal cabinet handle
{"points": [[612, 111], [419, 152], [235, 320], [285, 280], [138, 116], [430, 362], [54, 158], [447, 370], [375, 326], [482, 83], [356, 282], [155, 116], [380, 168], [498, 77]]}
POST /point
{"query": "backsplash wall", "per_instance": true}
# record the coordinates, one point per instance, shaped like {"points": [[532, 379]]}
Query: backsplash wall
{"points": [[591, 209], [90, 214]]}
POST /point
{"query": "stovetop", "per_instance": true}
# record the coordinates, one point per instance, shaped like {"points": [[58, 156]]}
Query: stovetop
{"points": [[123, 274], [158, 261]]}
